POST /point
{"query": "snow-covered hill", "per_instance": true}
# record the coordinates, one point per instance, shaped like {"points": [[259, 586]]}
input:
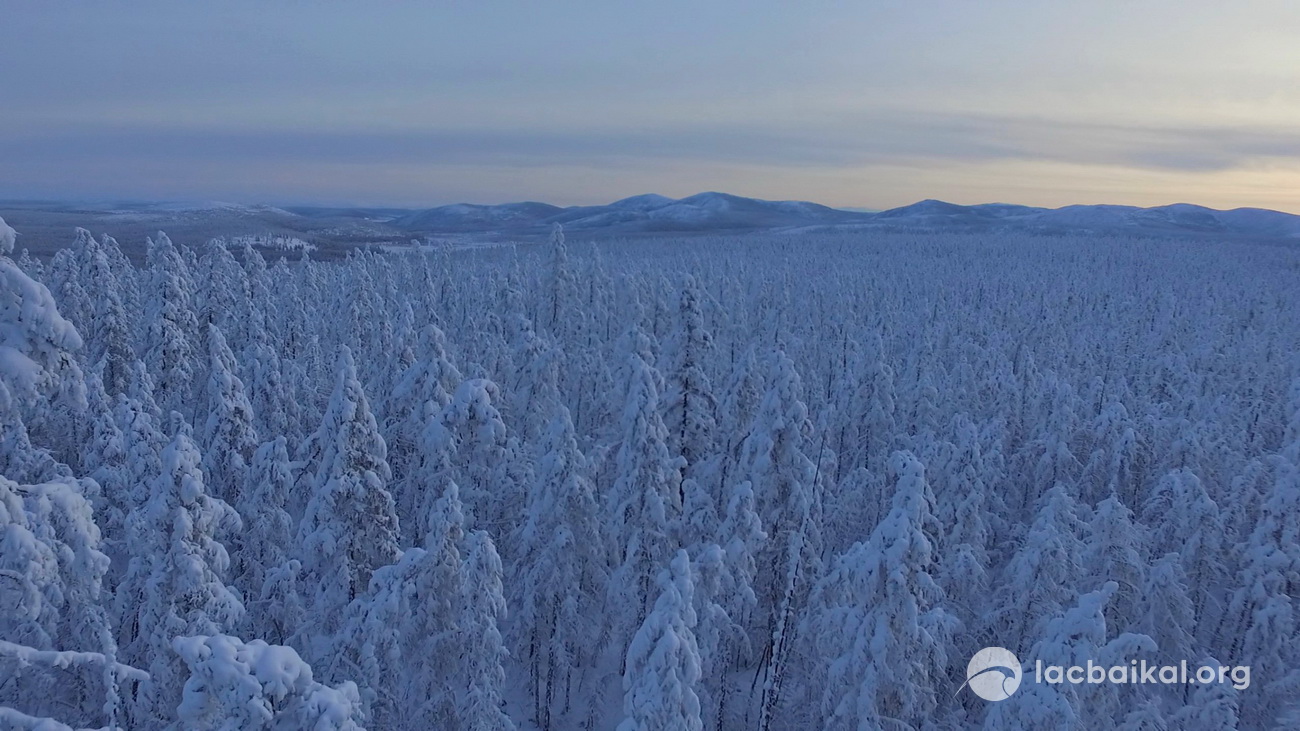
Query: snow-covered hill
{"points": [[336, 230], [642, 213], [1176, 219], [724, 212]]}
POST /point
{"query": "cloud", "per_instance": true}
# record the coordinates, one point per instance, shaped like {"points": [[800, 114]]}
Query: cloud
{"points": [[848, 141]]}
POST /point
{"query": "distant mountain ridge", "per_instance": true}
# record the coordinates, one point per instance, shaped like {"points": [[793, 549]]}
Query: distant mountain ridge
{"points": [[641, 213], [47, 225], [724, 212]]}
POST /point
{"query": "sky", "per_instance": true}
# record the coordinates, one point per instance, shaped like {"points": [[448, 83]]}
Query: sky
{"points": [[869, 104]]}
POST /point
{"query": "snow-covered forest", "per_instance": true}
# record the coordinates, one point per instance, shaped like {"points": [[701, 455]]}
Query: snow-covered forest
{"points": [[758, 482]]}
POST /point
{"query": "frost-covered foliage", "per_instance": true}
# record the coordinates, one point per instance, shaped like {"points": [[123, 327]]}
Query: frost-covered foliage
{"points": [[763, 482], [663, 662], [237, 685], [36, 343]]}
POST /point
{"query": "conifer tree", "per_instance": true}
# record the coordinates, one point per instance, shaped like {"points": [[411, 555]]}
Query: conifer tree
{"points": [[663, 663], [170, 327], [350, 528], [646, 495], [562, 570], [108, 329], [689, 404], [484, 609], [230, 437], [264, 547], [1039, 581], [183, 563], [877, 617]]}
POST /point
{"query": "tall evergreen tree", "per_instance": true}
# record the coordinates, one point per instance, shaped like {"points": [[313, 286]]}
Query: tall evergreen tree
{"points": [[177, 539], [663, 663], [350, 528], [170, 327], [230, 436], [877, 616]]}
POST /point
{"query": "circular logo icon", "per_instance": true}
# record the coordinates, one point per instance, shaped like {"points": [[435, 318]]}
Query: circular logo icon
{"points": [[994, 673]]}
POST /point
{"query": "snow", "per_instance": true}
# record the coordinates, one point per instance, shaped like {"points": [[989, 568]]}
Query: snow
{"points": [[256, 685], [65, 659], [7, 238], [713, 211], [755, 480]]}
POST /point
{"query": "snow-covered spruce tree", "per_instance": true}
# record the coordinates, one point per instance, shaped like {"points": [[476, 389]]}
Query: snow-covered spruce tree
{"points": [[1041, 578], [180, 557], [234, 684], [1181, 517], [690, 407], [370, 646], [109, 327], [1115, 552], [786, 495], [1212, 706], [876, 619], [663, 661], [1263, 627], [964, 478], [644, 499], [263, 548], [37, 357], [223, 298], [923, 422], [1165, 611], [1047, 457], [736, 408], [65, 281], [139, 420], [431, 631], [30, 569], [56, 646], [401, 640], [358, 308], [274, 408], [229, 437], [350, 528], [422, 392], [30, 265], [561, 298], [260, 286], [698, 522], [872, 423], [1074, 637], [1115, 464], [19, 458], [965, 573], [561, 572], [170, 327], [104, 459], [532, 378], [721, 640], [741, 536], [469, 444], [484, 608]]}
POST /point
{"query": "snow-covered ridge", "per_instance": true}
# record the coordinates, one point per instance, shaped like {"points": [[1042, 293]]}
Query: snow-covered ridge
{"points": [[721, 211], [342, 228]]}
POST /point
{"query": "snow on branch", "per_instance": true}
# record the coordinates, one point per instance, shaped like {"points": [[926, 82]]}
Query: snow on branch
{"points": [[63, 659]]}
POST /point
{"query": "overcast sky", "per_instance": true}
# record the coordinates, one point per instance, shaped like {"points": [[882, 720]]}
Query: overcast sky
{"points": [[870, 104]]}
